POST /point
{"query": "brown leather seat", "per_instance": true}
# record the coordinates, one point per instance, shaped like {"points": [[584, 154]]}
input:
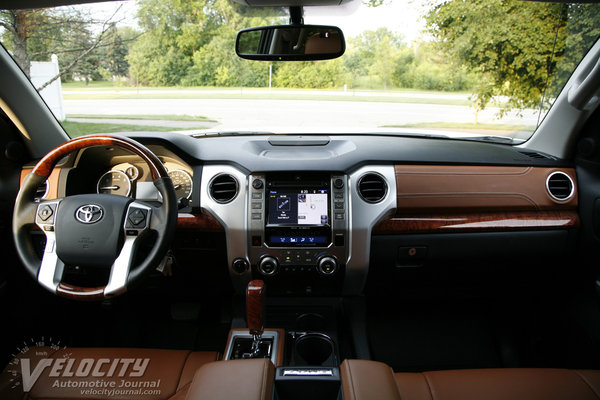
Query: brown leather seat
{"points": [[373, 380], [101, 373]]}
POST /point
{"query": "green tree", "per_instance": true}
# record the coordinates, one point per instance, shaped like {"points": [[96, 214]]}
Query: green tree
{"points": [[512, 46], [192, 42]]}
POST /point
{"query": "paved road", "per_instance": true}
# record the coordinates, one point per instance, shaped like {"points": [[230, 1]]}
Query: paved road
{"points": [[297, 115], [147, 122]]}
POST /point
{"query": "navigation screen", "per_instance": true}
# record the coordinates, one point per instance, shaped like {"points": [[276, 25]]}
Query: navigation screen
{"points": [[299, 207]]}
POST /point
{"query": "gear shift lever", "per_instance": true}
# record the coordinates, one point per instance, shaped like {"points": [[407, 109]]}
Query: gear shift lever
{"points": [[255, 301]]}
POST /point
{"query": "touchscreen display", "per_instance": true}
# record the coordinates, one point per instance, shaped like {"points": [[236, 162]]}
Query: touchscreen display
{"points": [[298, 207]]}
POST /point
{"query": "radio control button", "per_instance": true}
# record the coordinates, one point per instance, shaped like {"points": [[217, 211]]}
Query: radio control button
{"points": [[257, 196], [268, 265], [338, 183], [256, 215], [256, 205], [327, 265]]}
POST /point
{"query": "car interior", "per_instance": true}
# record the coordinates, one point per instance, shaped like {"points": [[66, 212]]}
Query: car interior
{"points": [[294, 266]]}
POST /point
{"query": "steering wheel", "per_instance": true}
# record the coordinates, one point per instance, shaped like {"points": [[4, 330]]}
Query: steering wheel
{"points": [[95, 230]]}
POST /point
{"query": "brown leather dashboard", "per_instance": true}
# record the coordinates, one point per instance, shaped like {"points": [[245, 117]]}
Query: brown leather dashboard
{"points": [[442, 198]]}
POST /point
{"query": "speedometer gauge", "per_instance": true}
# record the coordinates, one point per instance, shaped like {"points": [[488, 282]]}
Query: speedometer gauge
{"points": [[182, 181], [114, 182]]}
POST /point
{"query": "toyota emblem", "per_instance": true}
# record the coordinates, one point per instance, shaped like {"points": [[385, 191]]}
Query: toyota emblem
{"points": [[89, 213]]}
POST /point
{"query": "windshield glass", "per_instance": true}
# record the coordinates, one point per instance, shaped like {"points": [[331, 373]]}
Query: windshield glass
{"points": [[484, 68]]}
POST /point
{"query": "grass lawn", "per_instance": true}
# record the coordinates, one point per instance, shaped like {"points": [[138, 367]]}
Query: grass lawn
{"points": [[163, 117], [466, 126], [75, 129]]}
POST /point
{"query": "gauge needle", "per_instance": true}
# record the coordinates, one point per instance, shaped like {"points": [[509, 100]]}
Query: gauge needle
{"points": [[110, 188], [177, 187]]}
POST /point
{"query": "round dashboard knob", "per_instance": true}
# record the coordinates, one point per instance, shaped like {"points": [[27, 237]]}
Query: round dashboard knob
{"points": [[327, 265], [257, 184], [240, 265], [268, 265]]}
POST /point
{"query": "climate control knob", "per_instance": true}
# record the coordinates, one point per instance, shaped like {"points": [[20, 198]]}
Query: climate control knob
{"points": [[268, 265], [327, 265]]}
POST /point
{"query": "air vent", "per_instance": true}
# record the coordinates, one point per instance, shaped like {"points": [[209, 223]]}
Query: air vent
{"points": [[536, 155], [41, 191], [372, 188], [560, 186], [223, 188]]}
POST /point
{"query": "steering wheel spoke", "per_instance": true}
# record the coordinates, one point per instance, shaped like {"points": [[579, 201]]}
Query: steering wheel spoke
{"points": [[52, 267], [137, 221]]}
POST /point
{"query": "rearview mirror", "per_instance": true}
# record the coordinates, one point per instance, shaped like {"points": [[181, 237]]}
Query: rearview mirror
{"points": [[290, 43]]}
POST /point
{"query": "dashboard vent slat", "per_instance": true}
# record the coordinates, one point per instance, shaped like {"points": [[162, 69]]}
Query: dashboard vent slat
{"points": [[372, 188], [41, 191], [560, 186], [537, 155], [223, 188]]}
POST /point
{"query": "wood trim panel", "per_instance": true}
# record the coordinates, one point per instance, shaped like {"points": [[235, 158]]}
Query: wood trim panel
{"points": [[80, 293], [200, 222], [507, 221], [441, 188], [45, 165], [52, 182]]}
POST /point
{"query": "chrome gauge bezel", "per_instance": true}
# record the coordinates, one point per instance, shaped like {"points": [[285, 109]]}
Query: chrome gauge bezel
{"points": [[135, 168], [115, 171], [188, 175]]}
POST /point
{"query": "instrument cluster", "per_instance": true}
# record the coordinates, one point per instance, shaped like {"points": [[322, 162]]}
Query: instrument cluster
{"points": [[134, 180]]}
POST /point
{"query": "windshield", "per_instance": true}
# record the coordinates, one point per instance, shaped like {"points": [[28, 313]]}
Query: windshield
{"points": [[485, 68]]}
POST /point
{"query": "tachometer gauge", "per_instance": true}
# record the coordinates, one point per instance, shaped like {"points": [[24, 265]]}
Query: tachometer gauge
{"points": [[182, 182], [132, 172], [114, 182]]}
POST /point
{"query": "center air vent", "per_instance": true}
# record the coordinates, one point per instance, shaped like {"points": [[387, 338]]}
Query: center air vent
{"points": [[372, 188], [560, 186], [223, 188]]}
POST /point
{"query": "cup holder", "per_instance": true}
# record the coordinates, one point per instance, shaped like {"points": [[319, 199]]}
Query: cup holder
{"points": [[314, 349]]}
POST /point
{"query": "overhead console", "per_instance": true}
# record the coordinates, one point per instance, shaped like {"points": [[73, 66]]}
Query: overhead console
{"points": [[302, 232]]}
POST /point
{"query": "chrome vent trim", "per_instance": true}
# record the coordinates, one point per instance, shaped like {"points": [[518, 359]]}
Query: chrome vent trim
{"points": [[372, 187], [560, 186], [223, 188]]}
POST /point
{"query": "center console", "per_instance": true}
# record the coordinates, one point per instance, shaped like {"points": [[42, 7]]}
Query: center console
{"points": [[298, 225]]}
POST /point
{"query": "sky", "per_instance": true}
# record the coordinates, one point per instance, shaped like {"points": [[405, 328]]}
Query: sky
{"points": [[400, 16]]}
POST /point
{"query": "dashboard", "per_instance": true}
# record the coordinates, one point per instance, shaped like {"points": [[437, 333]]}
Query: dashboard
{"points": [[316, 212]]}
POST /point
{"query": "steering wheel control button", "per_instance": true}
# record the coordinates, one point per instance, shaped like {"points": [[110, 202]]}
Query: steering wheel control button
{"points": [[45, 212], [136, 218], [268, 265], [327, 265], [240, 265]]}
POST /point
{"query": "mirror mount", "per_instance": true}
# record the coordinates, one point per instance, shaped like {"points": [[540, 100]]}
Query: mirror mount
{"points": [[296, 15]]}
